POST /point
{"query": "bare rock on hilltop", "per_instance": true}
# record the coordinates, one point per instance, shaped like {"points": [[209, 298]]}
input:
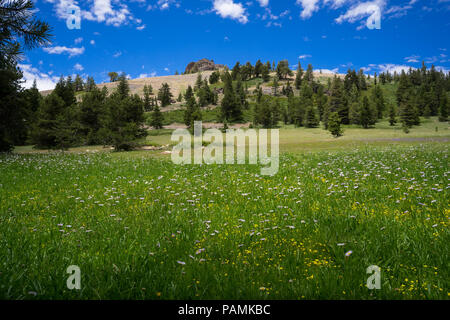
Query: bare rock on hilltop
{"points": [[202, 65]]}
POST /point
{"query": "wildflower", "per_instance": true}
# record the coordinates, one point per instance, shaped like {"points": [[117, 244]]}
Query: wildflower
{"points": [[181, 262], [348, 253]]}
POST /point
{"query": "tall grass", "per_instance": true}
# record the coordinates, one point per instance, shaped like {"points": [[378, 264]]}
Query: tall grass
{"points": [[143, 228]]}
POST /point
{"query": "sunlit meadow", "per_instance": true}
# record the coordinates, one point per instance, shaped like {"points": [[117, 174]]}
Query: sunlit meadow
{"points": [[144, 228]]}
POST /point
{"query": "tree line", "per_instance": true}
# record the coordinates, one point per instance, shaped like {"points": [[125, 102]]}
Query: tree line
{"points": [[355, 98]]}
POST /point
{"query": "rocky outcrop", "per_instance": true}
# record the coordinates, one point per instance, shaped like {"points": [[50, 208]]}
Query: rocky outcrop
{"points": [[202, 65]]}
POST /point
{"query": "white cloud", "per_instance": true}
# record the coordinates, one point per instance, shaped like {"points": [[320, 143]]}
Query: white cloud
{"points": [[443, 69], [304, 56], [333, 71], [400, 11], [92, 42], [391, 68], [62, 49], [275, 24], [309, 7], [43, 81], [99, 11], [362, 10], [117, 54], [147, 75], [412, 59], [357, 9], [78, 67], [78, 40], [263, 3], [230, 9], [163, 5], [61, 7], [141, 27]]}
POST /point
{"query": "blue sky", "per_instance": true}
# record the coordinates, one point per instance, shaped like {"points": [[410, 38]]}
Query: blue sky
{"points": [[157, 37]]}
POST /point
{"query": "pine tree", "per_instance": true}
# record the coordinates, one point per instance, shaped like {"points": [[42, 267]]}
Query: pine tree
{"points": [[124, 121], [334, 124], [164, 95], [241, 94], [258, 69], [362, 80], [338, 102], [65, 90], [288, 91], [90, 84], [306, 102], [205, 95], [247, 71], [354, 94], [443, 109], [236, 71], [12, 107], [34, 97], [406, 102], [378, 99], [123, 88], [275, 86], [147, 99], [320, 101], [19, 26], [392, 115], [90, 112], [367, 116], [230, 106], [79, 85], [309, 76], [311, 120], [51, 117], [198, 82], [354, 113], [265, 74], [283, 70], [214, 77], [157, 118], [408, 114], [192, 112], [259, 94], [150, 89], [265, 114], [298, 77]]}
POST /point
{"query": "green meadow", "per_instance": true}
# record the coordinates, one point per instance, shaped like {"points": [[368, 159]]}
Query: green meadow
{"points": [[140, 227]]}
